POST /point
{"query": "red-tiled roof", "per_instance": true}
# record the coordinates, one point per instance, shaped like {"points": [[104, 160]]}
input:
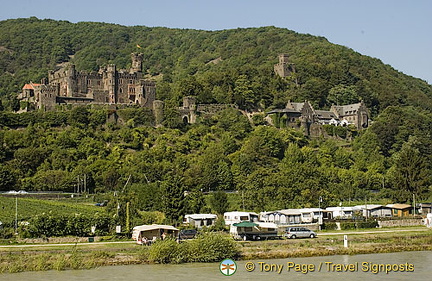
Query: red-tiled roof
{"points": [[30, 86]]}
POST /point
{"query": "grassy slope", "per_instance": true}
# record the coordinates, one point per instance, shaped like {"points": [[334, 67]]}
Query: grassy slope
{"points": [[28, 207]]}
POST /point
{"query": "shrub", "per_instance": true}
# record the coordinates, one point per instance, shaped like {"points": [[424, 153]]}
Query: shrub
{"points": [[208, 247], [359, 224], [367, 224], [165, 251], [330, 226], [213, 247]]}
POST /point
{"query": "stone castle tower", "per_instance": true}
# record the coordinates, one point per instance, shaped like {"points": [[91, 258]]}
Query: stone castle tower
{"points": [[137, 60], [284, 68]]}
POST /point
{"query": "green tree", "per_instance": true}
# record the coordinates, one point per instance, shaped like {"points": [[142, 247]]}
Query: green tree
{"points": [[410, 173], [15, 105], [195, 202], [219, 202], [342, 94], [53, 180], [172, 201], [245, 94], [214, 169], [79, 116], [7, 178]]}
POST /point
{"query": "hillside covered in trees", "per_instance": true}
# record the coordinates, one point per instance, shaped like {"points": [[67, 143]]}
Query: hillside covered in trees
{"points": [[170, 168], [228, 66]]}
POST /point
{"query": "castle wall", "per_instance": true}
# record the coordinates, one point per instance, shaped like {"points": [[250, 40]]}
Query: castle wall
{"points": [[284, 68], [149, 94], [47, 97], [107, 86], [158, 111]]}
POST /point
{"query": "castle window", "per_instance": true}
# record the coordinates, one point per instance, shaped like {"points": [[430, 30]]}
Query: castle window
{"points": [[89, 82], [130, 81]]}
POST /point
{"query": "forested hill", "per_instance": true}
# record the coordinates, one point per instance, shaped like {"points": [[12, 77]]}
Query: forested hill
{"points": [[167, 168], [217, 66]]}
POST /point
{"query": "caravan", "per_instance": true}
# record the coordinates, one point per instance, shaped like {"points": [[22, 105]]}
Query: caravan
{"points": [[237, 217]]}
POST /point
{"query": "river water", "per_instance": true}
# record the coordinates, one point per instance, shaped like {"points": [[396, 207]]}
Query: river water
{"points": [[415, 266]]}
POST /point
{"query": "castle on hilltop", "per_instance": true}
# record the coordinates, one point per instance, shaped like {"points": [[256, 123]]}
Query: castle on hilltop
{"points": [[67, 86], [109, 86]]}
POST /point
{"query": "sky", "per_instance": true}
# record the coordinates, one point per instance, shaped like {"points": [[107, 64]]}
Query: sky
{"points": [[398, 32]]}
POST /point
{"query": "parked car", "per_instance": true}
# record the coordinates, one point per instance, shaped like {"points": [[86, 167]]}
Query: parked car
{"points": [[187, 233], [299, 232]]}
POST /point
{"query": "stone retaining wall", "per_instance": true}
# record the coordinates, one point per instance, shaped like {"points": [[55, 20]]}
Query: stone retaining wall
{"points": [[403, 222]]}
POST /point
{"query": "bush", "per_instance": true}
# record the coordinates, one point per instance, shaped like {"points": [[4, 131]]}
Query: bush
{"points": [[360, 224], [213, 247], [165, 251], [330, 226], [208, 247], [367, 224]]}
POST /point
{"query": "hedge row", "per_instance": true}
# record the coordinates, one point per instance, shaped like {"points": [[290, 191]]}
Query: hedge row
{"points": [[47, 225], [351, 225]]}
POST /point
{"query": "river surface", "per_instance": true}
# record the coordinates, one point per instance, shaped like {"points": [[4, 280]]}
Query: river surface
{"points": [[414, 266]]}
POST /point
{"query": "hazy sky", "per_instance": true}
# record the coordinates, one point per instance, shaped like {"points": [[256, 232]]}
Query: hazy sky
{"points": [[396, 31]]}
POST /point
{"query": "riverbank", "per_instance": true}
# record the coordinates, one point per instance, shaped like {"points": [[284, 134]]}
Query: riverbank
{"points": [[364, 242], [89, 255]]}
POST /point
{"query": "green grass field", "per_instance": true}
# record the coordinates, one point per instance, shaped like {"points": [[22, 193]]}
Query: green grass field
{"points": [[29, 207]]}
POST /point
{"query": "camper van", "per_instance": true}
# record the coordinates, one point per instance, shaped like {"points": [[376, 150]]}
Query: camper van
{"points": [[237, 217], [247, 230]]}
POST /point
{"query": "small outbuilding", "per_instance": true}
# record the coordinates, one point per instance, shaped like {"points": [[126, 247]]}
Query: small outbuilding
{"points": [[400, 210]]}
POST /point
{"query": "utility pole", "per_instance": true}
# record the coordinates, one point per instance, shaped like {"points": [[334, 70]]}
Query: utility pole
{"points": [[320, 215], [414, 211], [16, 215]]}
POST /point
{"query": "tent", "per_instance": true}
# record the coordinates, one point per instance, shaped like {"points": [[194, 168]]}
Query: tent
{"points": [[153, 232]]}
